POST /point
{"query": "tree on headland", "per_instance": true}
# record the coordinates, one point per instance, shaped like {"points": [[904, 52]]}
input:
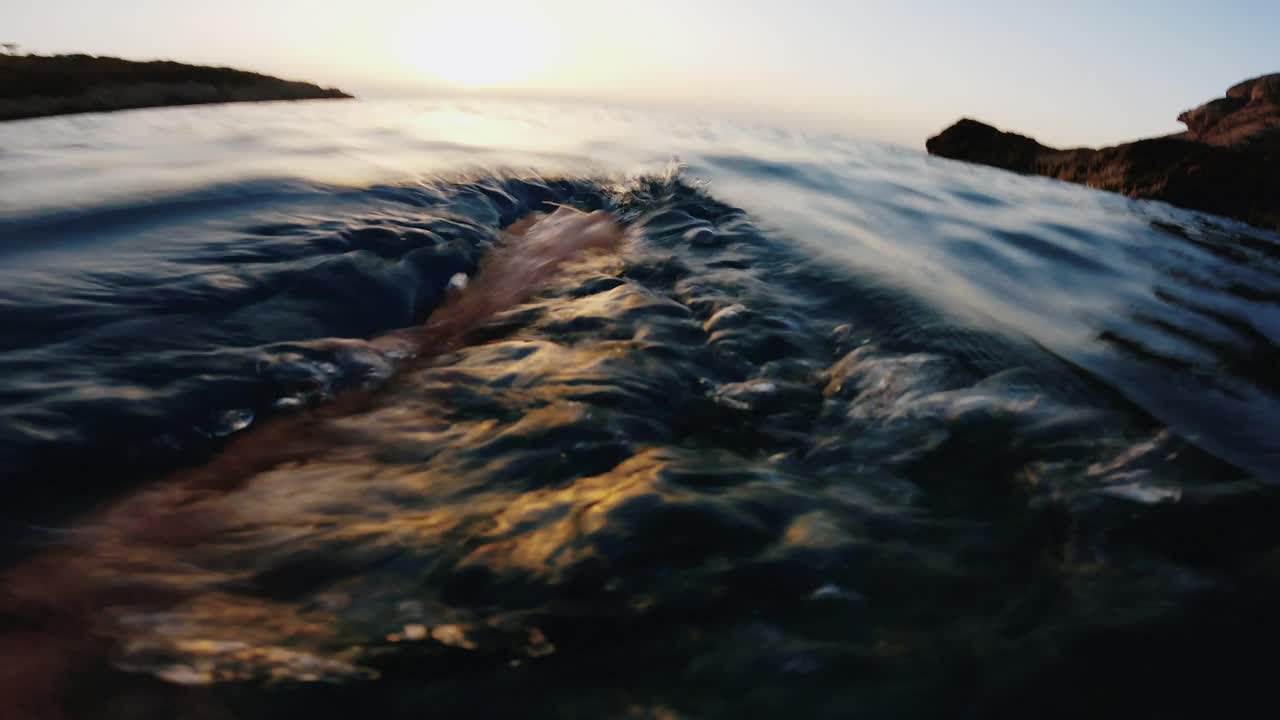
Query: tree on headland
{"points": [[10, 48]]}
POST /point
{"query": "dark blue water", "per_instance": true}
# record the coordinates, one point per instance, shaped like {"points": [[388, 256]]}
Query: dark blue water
{"points": [[839, 430]]}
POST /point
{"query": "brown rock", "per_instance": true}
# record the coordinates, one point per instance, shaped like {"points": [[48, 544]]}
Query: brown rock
{"points": [[1250, 113], [1259, 89], [1204, 118], [1227, 163]]}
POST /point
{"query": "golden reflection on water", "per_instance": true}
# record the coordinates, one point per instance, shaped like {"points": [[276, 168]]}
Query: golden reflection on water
{"points": [[597, 457], [164, 580]]}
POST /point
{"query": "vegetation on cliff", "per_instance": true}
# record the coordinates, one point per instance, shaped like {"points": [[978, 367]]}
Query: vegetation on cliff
{"points": [[41, 85]]}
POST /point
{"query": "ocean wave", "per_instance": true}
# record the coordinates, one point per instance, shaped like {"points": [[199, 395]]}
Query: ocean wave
{"points": [[706, 424], [854, 435]]}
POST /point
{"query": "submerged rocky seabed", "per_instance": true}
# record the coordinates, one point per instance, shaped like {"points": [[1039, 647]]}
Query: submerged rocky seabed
{"points": [[709, 474]]}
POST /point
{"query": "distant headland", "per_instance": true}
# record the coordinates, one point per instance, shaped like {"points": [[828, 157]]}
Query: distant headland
{"points": [[1227, 162], [41, 85]]}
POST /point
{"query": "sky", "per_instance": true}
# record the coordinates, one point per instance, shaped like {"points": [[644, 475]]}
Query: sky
{"points": [[1079, 72]]}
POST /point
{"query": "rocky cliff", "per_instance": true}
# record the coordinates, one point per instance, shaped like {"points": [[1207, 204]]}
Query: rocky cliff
{"points": [[38, 85], [1228, 161]]}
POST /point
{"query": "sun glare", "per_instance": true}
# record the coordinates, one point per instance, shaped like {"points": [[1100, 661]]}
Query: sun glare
{"points": [[477, 51]]}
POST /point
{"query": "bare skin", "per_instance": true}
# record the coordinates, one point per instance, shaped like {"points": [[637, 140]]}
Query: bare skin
{"points": [[508, 276], [53, 604]]}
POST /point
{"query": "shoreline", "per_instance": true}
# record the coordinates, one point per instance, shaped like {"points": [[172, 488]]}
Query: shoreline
{"points": [[39, 86], [160, 106], [1227, 162]]}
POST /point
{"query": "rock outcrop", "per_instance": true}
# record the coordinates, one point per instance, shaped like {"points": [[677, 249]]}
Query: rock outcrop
{"points": [[1250, 113], [39, 85], [1228, 161]]}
